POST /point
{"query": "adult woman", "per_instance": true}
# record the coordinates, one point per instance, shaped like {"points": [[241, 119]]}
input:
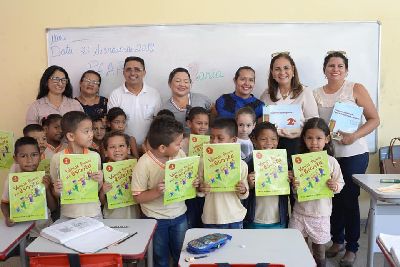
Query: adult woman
{"points": [[182, 99], [54, 97], [284, 88], [93, 104], [227, 104], [351, 152]]}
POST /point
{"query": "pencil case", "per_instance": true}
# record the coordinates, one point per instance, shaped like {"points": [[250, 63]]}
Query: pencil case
{"points": [[207, 243]]}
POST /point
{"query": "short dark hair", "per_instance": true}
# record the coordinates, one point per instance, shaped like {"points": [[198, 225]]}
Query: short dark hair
{"points": [[316, 123], [46, 121], [97, 118], [91, 72], [163, 131], [115, 112], [166, 112], [138, 59], [336, 54], [113, 134], [26, 140], [237, 74], [70, 121], [196, 111], [228, 124], [32, 128], [43, 86], [246, 110], [266, 125], [175, 71]]}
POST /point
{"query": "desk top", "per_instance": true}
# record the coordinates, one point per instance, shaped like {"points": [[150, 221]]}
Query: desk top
{"points": [[133, 248], [370, 183], [284, 246], [11, 236]]}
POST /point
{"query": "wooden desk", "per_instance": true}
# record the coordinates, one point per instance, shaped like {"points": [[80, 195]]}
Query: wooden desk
{"points": [[285, 246], [11, 237], [381, 217], [134, 248]]}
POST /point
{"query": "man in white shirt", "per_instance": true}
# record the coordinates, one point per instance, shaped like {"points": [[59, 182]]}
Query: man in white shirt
{"points": [[139, 101]]}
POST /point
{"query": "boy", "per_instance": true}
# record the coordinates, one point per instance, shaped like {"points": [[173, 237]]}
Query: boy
{"points": [[224, 210], [77, 127], [37, 131], [27, 156], [164, 139]]}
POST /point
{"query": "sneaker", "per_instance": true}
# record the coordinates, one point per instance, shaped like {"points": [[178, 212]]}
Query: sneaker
{"points": [[348, 259], [334, 250]]}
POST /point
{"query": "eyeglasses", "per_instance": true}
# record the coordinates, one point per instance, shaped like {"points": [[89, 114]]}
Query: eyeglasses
{"points": [[135, 70], [58, 79], [287, 53], [91, 81], [336, 51]]}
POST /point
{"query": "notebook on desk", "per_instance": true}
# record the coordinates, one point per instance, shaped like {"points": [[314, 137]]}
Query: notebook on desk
{"points": [[392, 244]]}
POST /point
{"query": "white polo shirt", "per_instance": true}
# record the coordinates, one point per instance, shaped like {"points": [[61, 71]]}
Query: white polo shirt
{"points": [[140, 109]]}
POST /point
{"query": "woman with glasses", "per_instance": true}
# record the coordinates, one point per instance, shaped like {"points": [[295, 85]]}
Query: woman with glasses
{"points": [[182, 99], [94, 105], [351, 151], [284, 88], [54, 97]]}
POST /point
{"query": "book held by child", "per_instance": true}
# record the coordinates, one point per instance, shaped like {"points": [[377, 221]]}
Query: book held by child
{"points": [[6, 149], [196, 142]]}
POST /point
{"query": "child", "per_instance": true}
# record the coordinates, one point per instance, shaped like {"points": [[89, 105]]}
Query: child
{"points": [[77, 127], [164, 137], [224, 210], [52, 127], [197, 121], [116, 121], [99, 131], [246, 121], [37, 131], [312, 218], [27, 156], [116, 145], [264, 212]]}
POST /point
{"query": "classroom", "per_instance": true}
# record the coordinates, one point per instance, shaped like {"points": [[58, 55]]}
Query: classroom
{"points": [[24, 48]]}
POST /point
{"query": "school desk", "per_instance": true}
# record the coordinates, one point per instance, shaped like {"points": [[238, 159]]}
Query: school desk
{"points": [[383, 218], [284, 246], [11, 237], [388, 257], [133, 248]]}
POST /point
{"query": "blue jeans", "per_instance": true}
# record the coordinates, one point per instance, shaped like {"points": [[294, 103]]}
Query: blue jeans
{"points": [[168, 240], [235, 225], [345, 218]]}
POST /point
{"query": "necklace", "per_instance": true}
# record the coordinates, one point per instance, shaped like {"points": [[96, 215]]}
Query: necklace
{"points": [[284, 96], [181, 109]]}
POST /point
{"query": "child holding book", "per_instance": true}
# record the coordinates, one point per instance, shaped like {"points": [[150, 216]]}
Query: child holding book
{"points": [[246, 121], [52, 127], [116, 121], [164, 138], [264, 212], [224, 210], [312, 218], [197, 122], [116, 146], [77, 127], [27, 156], [99, 131]]}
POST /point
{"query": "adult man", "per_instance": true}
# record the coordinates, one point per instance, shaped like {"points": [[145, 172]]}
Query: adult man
{"points": [[139, 101]]}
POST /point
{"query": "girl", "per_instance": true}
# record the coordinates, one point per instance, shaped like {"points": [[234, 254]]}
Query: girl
{"points": [[312, 218], [116, 146], [52, 128], [99, 131], [264, 212], [246, 121], [197, 121], [116, 121]]}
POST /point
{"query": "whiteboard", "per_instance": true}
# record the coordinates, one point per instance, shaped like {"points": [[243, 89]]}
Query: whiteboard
{"points": [[213, 52]]}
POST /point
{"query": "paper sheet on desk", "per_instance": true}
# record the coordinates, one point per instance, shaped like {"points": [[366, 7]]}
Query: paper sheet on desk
{"points": [[389, 241], [390, 188], [395, 252]]}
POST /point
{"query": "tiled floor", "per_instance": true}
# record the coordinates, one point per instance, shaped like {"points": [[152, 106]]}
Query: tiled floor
{"points": [[361, 260]]}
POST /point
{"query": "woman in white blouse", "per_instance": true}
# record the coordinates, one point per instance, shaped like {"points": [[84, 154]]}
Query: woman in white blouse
{"points": [[284, 88]]}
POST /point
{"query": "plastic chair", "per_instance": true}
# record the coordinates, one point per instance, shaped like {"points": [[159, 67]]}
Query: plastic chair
{"points": [[86, 260]]}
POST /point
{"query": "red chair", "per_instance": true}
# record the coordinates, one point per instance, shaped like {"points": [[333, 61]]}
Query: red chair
{"points": [[83, 260]]}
